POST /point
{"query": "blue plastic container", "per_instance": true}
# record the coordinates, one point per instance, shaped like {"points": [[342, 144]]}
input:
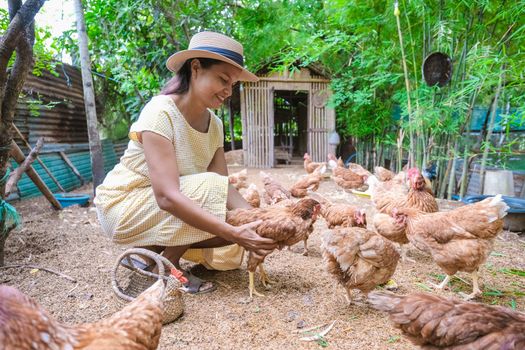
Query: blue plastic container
{"points": [[68, 199]]}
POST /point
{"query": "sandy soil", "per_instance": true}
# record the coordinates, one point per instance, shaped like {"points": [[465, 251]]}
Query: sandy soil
{"points": [[71, 242]]}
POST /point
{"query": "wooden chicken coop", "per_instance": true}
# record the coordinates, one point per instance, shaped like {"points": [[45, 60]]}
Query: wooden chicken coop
{"points": [[285, 115]]}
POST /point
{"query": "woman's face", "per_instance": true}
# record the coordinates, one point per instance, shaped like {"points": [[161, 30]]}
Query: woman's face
{"points": [[214, 84]]}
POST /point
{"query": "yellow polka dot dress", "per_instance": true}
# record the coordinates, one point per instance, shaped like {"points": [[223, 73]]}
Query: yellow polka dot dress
{"points": [[125, 202]]}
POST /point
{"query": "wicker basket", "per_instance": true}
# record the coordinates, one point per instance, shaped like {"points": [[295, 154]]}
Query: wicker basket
{"points": [[140, 280]]}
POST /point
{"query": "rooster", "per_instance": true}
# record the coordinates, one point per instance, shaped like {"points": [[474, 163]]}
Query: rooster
{"points": [[457, 240], [285, 225], [358, 258], [309, 165], [238, 179], [309, 182], [435, 322], [274, 192], [26, 325]]}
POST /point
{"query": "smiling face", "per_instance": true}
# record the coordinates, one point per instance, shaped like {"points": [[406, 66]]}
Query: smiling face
{"points": [[214, 84]]}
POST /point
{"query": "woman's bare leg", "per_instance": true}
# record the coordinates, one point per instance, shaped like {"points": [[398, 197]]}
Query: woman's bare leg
{"points": [[174, 254]]}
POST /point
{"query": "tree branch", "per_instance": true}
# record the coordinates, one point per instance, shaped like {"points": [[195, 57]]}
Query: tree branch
{"points": [[17, 27], [17, 174]]}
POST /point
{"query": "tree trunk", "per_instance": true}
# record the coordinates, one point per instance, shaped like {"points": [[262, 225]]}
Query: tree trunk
{"points": [[95, 148], [2, 246], [18, 37]]}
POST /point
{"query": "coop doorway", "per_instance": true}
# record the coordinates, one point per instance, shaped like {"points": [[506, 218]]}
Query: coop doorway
{"points": [[290, 124]]}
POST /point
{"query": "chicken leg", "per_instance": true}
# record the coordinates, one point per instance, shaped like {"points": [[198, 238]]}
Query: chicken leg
{"points": [[404, 257], [252, 285], [305, 249], [475, 287], [443, 284], [263, 276]]}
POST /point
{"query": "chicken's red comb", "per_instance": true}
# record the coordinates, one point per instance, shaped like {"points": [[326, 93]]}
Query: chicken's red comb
{"points": [[179, 275]]}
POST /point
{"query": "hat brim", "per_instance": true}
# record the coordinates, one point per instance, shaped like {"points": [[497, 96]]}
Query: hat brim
{"points": [[177, 60]]}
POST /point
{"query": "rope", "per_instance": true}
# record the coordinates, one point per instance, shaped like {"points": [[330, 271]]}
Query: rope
{"points": [[9, 218]]}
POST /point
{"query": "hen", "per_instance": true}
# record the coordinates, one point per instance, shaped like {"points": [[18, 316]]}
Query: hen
{"points": [[419, 196], [340, 214], [26, 325], [457, 240], [252, 196], [274, 192], [309, 165], [346, 178], [358, 258], [434, 322], [383, 174], [309, 182], [285, 225], [238, 179]]}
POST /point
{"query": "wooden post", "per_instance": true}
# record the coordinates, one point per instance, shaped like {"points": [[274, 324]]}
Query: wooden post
{"points": [[95, 148], [230, 116], [18, 155], [72, 166]]}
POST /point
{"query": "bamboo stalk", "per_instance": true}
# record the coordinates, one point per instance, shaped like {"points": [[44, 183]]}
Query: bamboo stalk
{"points": [[489, 131], [407, 85]]}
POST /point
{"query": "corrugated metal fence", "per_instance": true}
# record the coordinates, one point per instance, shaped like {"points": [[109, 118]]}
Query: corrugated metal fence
{"points": [[78, 155]]}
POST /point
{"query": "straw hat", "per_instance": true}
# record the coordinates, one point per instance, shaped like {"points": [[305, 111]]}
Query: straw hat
{"points": [[212, 45]]}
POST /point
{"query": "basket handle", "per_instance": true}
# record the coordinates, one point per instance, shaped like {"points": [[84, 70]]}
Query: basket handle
{"points": [[160, 261]]}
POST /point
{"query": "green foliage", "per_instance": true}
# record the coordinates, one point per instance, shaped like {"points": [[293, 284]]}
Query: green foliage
{"points": [[354, 43]]}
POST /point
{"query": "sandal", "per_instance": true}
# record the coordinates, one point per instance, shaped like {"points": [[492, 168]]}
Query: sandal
{"points": [[195, 285]]}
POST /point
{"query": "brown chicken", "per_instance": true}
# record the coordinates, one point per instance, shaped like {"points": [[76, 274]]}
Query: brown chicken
{"points": [[285, 225], [252, 196], [310, 182], [309, 165], [238, 179], [383, 174], [274, 192], [435, 322], [419, 196], [26, 325], [356, 168], [340, 214], [358, 258], [457, 240], [346, 178]]}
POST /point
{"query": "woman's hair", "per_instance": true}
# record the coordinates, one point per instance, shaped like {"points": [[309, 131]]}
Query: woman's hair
{"points": [[180, 83]]}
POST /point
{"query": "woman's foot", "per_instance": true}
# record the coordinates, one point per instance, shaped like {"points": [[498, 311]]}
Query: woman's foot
{"points": [[195, 285]]}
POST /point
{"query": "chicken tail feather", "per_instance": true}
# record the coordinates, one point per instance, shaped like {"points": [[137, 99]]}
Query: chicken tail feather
{"points": [[383, 301]]}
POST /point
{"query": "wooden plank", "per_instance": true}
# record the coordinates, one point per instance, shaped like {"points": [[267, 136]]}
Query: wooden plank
{"points": [[19, 156], [75, 170], [313, 80]]}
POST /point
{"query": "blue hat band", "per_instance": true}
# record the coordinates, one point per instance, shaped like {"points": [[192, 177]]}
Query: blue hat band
{"points": [[232, 55]]}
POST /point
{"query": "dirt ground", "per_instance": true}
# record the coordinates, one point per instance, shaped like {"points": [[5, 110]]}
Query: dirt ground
{"points": [[71, 242]]}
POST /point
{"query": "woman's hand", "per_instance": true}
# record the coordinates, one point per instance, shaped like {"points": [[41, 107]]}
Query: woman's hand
{"points": [[246, 237]]}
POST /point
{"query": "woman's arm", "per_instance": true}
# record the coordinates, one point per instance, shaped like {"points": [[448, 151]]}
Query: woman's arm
{"points": [[218, 165], [164, 175]]}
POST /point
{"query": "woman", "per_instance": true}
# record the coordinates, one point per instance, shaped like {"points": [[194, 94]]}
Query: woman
{"points": [[170, 192]]}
